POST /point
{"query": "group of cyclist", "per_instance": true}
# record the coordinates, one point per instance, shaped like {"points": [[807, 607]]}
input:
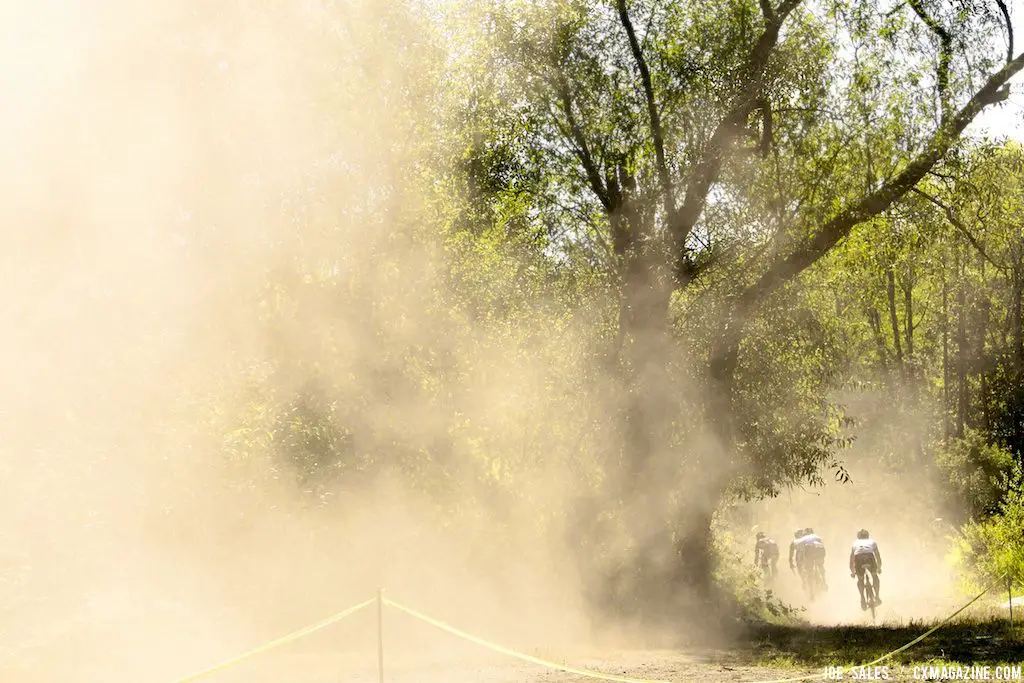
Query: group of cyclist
{"points": [[807, 560]]}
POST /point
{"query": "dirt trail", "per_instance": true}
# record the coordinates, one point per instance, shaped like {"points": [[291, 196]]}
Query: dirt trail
{"points": [[677, 667]]}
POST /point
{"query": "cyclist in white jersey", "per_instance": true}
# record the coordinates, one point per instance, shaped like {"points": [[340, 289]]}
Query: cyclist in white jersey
{"points": [[812, 548], [864, 556]]}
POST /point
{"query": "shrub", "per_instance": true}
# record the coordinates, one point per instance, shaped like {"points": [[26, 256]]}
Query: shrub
{"points": [[994, 547]]}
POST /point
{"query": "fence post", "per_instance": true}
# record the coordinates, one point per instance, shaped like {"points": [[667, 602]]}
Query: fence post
{"points": [[1009, 593], [380, 635]]}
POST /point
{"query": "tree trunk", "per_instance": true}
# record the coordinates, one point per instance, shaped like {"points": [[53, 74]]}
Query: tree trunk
{"points": [[908, 329], [890, 279], [908, 309], [875, 320], [946, 427], [981, 359], [986, 416], [1018, 323], [644, 355], [669, 573], [1018, 351], [962, 410]]}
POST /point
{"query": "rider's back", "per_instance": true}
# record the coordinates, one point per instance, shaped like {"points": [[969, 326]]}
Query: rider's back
{"points": [[865, 546], [811, 540], [767, 549]]}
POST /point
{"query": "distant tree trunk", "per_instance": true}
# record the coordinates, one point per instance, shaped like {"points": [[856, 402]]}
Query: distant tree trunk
{"points": [[962, 412], [875, 321], [908, 322], [1018, 322], [980, 354], [985, 413], [945, 359], [1018, 348], [983, 364], [908, 306], [890, 279]]}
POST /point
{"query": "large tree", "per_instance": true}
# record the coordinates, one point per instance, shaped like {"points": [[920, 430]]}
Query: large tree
{"points": [[705, 156]]}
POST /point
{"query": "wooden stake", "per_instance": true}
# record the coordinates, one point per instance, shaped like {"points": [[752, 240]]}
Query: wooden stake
{"points": [[1009, 593], [380, 635]]}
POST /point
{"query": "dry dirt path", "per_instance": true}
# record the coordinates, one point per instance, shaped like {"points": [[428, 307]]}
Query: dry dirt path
{"points": [[708, 667]]}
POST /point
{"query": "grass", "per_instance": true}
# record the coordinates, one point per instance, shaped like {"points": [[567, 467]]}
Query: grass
{"points": [[970, 641]]}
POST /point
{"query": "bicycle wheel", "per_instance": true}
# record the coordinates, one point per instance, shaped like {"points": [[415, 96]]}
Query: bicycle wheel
{"points": [[869, 595], [814, 582]]}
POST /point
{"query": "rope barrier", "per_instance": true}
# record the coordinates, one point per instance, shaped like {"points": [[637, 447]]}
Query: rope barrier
{"points": [[295, 635], [514, 653], [898, 650]]}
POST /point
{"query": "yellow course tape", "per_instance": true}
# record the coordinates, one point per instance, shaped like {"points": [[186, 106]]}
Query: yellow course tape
{"points": [[277, 643], [898, 650], [520, 655], [513, 653]]}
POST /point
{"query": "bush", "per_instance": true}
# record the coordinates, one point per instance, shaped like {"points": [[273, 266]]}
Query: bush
{"points": [[735, 574], [994, 547]]}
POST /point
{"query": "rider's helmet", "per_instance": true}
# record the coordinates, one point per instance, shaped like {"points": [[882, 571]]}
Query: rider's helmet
{"points": [[808, 531], [863, 533], [760, 535]]}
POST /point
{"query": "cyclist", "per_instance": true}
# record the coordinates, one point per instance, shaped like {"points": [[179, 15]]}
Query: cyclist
{"points": [[796, 554], [864, 556], [809, 550], [766, 555]]}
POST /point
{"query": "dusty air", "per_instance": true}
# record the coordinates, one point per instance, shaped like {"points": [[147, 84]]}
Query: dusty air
{"points": [[518, 340]]}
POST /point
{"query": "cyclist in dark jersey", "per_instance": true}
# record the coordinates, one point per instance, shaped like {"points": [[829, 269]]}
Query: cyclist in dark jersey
{"points": [[766, 555]]}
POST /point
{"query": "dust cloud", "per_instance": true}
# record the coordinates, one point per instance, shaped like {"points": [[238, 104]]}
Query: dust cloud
{"points": [[214, 235], [208, 209]]}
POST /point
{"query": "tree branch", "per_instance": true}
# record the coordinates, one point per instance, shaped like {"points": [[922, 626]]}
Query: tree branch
{"points": [[581, 148], [945, 56], [959, 225], [785, 268], [894, 10], [767, 127], [657, 132], [1009, 29], [650, 22], [707, 169]]}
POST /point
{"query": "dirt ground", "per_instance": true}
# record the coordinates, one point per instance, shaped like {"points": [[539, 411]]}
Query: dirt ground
{"points": [[676, 667], [662, 666], [415, 653]]}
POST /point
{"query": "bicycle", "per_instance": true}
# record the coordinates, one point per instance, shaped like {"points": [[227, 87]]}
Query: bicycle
{"points": [[870, 594], [768, 572], [815, 584]]}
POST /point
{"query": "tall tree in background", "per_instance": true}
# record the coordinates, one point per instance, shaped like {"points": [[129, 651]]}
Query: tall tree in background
{"points": [[983, 209]]}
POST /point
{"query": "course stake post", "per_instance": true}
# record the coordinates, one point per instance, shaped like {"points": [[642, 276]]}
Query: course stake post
{"points": [[380, 635], [1009, 594]]}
